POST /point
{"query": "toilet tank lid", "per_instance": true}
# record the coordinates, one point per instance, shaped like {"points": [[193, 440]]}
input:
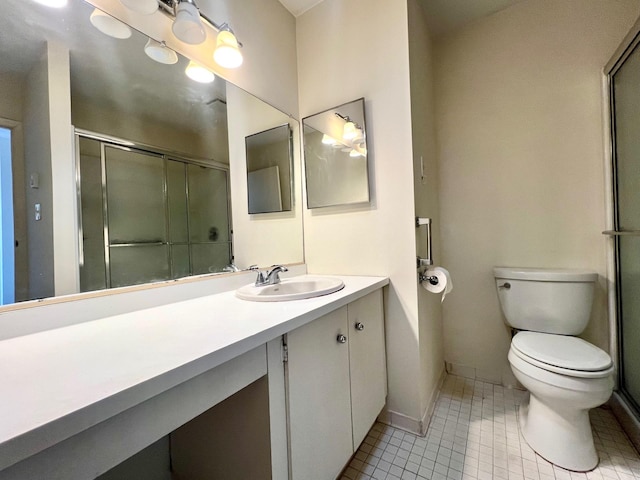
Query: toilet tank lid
{"points": [[545, 274], [562, 351]]}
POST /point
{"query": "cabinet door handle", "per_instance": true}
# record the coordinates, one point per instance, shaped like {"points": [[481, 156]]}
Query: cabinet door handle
{"points": [[359, 326], [342, 338]]}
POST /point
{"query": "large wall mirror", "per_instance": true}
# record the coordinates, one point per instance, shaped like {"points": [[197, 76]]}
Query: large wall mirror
{"points": [[119, 170], [335, 155]]}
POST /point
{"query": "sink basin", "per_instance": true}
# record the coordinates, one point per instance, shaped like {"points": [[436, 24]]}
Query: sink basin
{"points": [[291, 289]]}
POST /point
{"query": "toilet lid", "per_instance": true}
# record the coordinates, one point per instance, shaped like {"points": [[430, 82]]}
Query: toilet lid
{"points": [[570, 353]]}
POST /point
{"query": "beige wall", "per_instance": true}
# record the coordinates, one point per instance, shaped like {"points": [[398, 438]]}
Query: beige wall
{"points": [[520, 135], [38, 161], [378, 239], [208, 143], [425, 185], [11, 96], [63, 172]]}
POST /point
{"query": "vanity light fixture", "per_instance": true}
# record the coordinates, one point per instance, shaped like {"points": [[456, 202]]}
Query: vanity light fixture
{"points": [[144, 7], [53, 3], [109, 25], [187, 25], [199, 73], [227, 53], [159, 52]]}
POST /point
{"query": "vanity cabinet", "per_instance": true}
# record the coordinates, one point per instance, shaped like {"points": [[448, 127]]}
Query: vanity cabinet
{"points": [[336, 372]]}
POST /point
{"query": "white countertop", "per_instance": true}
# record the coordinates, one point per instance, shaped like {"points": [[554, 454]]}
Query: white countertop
{"points": [[60, 382]]}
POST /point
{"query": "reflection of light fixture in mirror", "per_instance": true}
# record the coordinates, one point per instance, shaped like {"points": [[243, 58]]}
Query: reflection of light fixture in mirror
{"points": [[352, 132], [144, 7], [358, 151], [109, 25], [359, 138], [349, 132], [199, 73], [188, 26], [227, 53], [328, 140], [159, 52], [53, 3]]}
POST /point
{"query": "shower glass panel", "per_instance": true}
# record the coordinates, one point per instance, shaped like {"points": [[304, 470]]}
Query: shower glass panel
{"points": [[137, 222], [208, 212], [135, 197], [629, 286], [177, 191], [625, 94], [132, 265], [208, 219], [92, 263], [178, 218], [146, 217]]}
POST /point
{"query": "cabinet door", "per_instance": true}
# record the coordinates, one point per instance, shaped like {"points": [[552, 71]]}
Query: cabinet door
{"points": [[319, 398], [367, 363]]}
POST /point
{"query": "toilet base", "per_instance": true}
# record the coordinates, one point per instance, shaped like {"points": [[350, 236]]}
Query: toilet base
{"points": [[562, 438]]}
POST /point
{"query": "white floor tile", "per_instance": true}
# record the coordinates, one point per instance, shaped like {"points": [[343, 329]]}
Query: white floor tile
{"points": [[474, 435]]}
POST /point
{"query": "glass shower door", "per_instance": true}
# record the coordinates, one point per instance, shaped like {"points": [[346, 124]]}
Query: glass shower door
{"points": [[136, 217], [625, 94], [146, 216], [208, 219]]}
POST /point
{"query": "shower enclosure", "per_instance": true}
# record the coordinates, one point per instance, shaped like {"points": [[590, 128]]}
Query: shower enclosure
{"points": [[146, 215], [624, 84]]}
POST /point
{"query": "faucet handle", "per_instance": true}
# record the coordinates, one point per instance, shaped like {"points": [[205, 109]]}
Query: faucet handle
{"points": [[278, 268], [261, 279]]}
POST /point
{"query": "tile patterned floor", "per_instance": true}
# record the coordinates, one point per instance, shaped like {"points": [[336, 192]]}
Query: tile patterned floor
{"points": [[474, 435]]}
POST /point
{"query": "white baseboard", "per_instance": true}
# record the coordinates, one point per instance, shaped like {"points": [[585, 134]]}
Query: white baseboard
{"points": [[410, 424]]}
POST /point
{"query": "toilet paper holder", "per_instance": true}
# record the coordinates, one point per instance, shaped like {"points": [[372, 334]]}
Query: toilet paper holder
{"points": [[432, 279], [425, 262]]}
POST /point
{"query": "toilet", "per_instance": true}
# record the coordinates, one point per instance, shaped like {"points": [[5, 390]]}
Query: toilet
{"points": [[564, 375]]}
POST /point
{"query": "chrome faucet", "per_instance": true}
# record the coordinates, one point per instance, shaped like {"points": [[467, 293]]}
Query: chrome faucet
{"points": [[270, 277]]}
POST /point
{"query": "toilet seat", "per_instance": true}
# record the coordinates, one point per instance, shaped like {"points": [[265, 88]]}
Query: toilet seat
{"points": [[570, 356]]}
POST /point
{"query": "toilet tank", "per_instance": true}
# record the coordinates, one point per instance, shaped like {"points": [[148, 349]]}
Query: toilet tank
{"points": [[546, 300]]}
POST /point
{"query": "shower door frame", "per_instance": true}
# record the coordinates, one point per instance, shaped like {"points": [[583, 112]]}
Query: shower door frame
{"points": [[165, 155], [625, 408]]}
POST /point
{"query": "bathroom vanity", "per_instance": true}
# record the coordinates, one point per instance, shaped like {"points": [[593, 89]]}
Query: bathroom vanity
{"points": [[81, 399]]}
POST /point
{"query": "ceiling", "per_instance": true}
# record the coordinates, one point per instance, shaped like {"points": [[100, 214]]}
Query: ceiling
{"points": [[442, 15]]}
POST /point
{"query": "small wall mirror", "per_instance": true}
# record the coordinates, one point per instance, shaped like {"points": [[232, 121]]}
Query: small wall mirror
{"points": [[335, 155], [269, 158]]}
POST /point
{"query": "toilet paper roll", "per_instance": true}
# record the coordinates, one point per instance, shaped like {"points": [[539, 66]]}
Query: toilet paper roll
{"points": [[443, 285]]}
